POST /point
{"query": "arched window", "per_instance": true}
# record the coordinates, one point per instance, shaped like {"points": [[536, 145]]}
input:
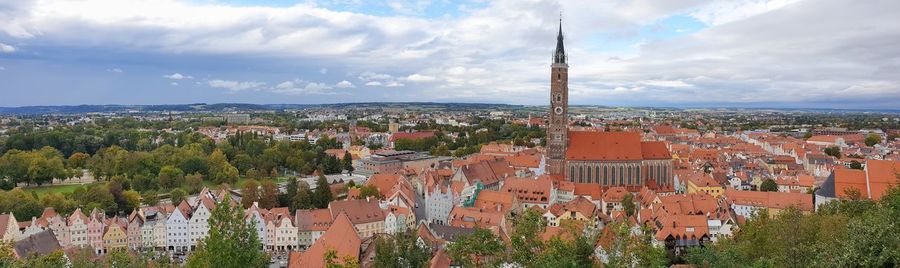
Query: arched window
{"points": [[612, 176], [630, 174], [589, 177], [621, 175], [597, 176], [572, 173], [638, 177]]}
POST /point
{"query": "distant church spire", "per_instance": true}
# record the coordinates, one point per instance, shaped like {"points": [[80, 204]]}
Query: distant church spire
{"points": [[560, 55]]}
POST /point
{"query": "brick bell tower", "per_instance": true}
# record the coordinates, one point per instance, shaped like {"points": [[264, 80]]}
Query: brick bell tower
{"points": [[557, 132]]}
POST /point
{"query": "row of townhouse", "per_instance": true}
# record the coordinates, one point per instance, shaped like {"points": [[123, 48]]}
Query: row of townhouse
{"points": [[168, 227], [181, 228]]}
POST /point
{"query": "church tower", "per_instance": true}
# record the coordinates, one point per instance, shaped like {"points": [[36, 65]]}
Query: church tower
{"points": [[557, 132]]}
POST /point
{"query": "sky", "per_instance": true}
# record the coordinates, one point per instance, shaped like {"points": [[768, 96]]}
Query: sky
{"points": [[687, 53]]}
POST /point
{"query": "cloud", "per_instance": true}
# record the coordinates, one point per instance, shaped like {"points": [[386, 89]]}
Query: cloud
{"points": [[235, 85], [665, 83], [420, 78], [177, 76], [620, 52], [344, 84], [2, 68], [174, 84], [300, 87], [4, 48], [379, 79], [114, 70]]}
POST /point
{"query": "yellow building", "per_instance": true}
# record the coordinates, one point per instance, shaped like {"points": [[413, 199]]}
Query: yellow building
{"points": [[702, 182], [115, 237], [579, 209]]}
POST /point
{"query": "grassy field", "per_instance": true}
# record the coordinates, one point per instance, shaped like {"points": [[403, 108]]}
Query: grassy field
{"points": [[42, 190]]}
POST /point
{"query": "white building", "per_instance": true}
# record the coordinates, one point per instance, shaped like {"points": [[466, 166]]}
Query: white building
{"points": [[177, 228], [255, 216], [439, 202], [199, 225], [78, 228]]}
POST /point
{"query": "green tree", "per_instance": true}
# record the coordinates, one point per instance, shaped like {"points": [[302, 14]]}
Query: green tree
{"points": [[170, 177], [249, 193], [194, 182], [232, 241], [77, 160], [176, 196], [332, 260], [304, 197], [322, 195], [629, 250], [150, 198], [856, 165], [347, 162], [124, 259], [872, 139], [628, 204], [768, 185], [369, 191], [525, 242], [268, 194], [131, 201], [833, 151], [479, 249], [401, 250]]}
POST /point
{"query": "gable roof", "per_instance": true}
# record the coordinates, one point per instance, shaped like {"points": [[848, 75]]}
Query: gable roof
{"points": [[41, 243], [595, 145], [535, 191], [358, 211], [778, 200], [313, 219], [340, 237], [488, 172]]}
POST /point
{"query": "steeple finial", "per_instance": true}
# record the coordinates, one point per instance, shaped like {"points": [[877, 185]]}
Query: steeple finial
{"points": [[560, 55]]}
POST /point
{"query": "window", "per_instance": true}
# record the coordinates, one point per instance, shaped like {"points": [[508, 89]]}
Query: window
{"points": [[613, 176], [589, 177]]}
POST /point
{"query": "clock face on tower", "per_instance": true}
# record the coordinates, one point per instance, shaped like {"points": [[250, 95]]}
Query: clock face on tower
{"points": [[558, 110]]}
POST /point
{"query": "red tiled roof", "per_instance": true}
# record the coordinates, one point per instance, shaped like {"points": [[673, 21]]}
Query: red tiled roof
{"points": [[535, 191], [358, 211], [471, 217], [613, 146], [615, 194], [595, 191], [411, 135], [488, 172], [384, 182], [593, 145], [682, 226], [313, 219], [655, 150], [494, 201], [777, 200], [579, 204], [882, 175], [846, 179], [340, 237], [664, 130]]}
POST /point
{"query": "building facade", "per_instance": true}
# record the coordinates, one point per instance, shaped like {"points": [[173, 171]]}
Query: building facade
{"points": [[557, 132]]}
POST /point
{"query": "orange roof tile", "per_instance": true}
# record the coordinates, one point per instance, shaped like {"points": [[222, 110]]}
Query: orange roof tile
{"points": [[340, 237], [535, 191]]}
